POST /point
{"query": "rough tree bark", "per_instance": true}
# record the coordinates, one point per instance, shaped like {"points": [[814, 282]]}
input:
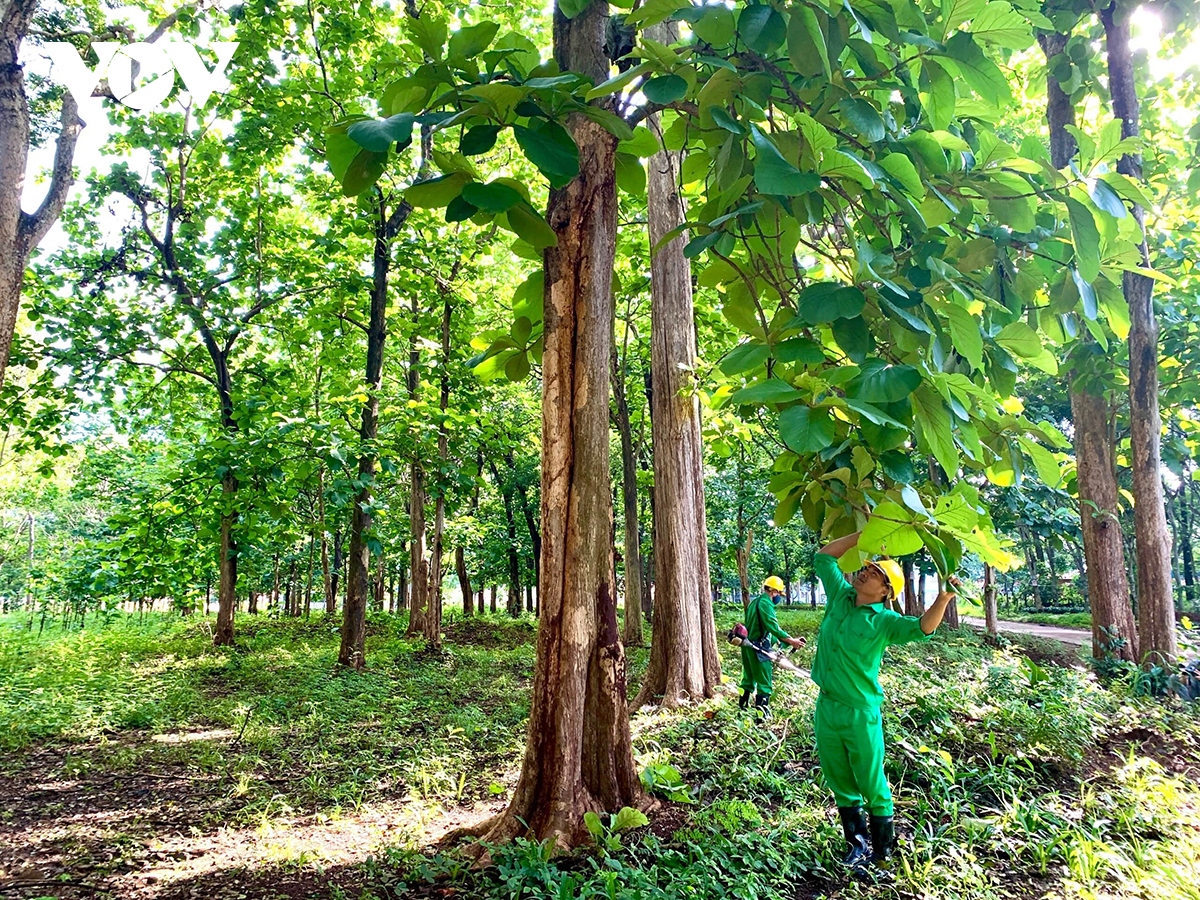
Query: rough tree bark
{"points": [[1156, 609], [684, 664], [1103, 546], [632, 631], [418, 564], [579, 756]]}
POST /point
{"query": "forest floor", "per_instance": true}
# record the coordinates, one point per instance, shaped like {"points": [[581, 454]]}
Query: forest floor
{"points": [[139, 762]]}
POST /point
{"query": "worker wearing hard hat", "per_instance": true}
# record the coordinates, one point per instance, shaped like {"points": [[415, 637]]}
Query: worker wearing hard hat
{"points": [[762, 625], [856, 630]]}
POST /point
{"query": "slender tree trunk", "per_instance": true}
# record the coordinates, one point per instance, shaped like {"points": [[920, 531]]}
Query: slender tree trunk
{"points": [[433, 620], [354, 626], [252, 604], [292, 595], [632, 632], [514, 559], [578, 755], [227, 571], [912, 604], [336, 575], [1156, 609], [308, 588], [418, 564], [989, 601], [464, 581], [380, 582], [492, 600], [1185, 546], [274, 584]]}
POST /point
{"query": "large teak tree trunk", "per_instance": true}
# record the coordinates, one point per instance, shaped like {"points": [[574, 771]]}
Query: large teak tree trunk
{"points": [[1103, 547], [1156, 610], [684, 664], [579, 756]]}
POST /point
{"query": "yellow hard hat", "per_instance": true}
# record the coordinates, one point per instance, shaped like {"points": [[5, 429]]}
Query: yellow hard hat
{"points": [[892, 572], [775, 583]]}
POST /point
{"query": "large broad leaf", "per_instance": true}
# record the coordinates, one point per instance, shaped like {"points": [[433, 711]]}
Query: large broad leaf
{"points": [[933, 419], [1085, 237], [964, 332], [877, 382], [983, 75], [744, 357], [552, 150], [953, 512], [826, 301], [998, 23], [800, 349], [807, 49], [1019, 339], [665, 89], [872, 413], [363, 172], [762, 28], [939, 100], [775, 175], [891, 530], [531, 227], [786, 508], [806, 430], [864, 119], [902, 169], [1047, 466], [898, 467], [479, 139], [854, 337], [772, 390], [436, 192], [469, 42], [494, 197], [379, 134], [715, 26]]}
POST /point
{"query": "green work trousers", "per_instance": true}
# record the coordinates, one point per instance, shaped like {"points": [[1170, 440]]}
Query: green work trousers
{"points": [[756, 673], [850, 747]]}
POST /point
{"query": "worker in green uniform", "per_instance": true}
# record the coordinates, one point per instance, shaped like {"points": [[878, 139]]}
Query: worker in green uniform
{"points": [[856, 630], [762, 625]]}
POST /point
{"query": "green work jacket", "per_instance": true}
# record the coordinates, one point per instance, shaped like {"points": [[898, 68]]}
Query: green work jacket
{"points": [[852, 638], [761, 621]]}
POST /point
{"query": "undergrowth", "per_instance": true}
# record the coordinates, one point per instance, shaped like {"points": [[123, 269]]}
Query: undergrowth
{"points": [[1013, 778]]}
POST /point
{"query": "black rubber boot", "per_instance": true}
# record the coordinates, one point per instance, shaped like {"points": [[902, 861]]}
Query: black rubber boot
{"points": [[744, 702], [761, 704], [883, 838], [854, 829]]}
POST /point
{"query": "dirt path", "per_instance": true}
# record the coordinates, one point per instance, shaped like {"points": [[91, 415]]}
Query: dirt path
{"points": [[1076, 636]]}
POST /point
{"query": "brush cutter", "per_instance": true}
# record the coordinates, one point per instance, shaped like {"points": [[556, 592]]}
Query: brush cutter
{"points": [[740, 637]]}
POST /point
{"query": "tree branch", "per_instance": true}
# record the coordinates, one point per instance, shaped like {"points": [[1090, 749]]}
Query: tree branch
{"points": [[34, 227]]}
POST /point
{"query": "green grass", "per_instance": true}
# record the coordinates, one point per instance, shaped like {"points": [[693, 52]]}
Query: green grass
{"points": [[1011, 778]]}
